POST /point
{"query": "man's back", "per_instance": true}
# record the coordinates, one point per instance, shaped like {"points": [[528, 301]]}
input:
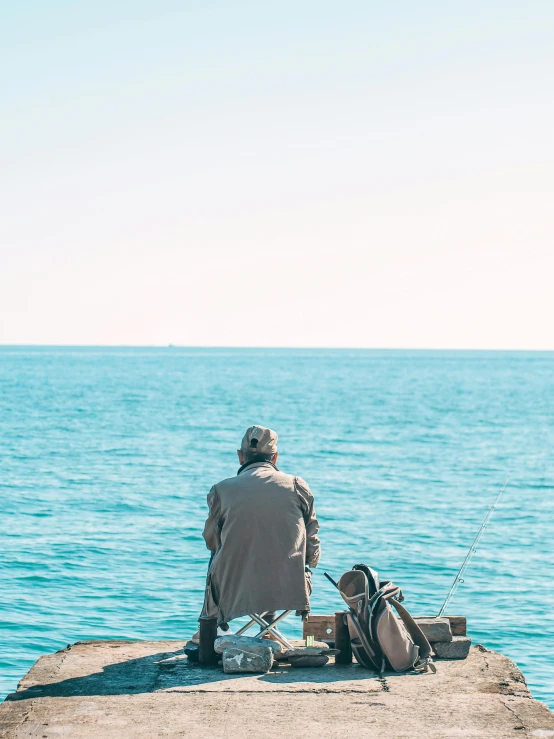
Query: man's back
{"points": [[263, 530]]}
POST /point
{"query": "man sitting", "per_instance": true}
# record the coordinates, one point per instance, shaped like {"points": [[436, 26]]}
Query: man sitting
{"points": [[262, 529]]}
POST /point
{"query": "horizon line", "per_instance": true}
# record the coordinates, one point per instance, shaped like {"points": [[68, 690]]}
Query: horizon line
{"points": [[271, 348]]}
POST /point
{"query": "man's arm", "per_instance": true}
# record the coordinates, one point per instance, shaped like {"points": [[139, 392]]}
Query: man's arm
{"points": [[211, 527], [313, 545]]}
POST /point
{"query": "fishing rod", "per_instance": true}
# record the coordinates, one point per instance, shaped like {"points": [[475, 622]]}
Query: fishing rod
{"points": [[335, 583], [459, 577]]}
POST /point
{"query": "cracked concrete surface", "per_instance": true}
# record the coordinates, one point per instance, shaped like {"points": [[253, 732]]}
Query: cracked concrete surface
{"points": [[106, 690]]}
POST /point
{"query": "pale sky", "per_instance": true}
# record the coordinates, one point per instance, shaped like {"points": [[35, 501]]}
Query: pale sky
{"points": [[356, 174]]}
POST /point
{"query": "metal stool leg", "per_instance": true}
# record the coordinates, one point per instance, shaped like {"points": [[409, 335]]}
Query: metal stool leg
{"points": [[249, 625], [267, 628], [270, 628]]}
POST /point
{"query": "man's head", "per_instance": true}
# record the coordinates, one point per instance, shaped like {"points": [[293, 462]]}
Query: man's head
{"points": [[258, 445]]}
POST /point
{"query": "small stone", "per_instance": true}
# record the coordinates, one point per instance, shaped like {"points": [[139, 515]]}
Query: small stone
{"points": [[435, 629], [458, 648], [317, 645], [309, 660], [309, 652], [299, 646], [244, 642], [458, 625], [256, 658]]}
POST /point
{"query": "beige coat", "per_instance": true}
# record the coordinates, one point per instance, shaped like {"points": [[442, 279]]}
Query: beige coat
{"points": [[263, 530]]}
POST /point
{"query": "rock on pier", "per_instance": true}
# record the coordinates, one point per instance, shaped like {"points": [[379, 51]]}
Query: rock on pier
{"points": [[115, 689]]}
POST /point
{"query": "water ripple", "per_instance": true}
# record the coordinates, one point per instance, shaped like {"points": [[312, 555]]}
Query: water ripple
{"points": [[106, 457]]}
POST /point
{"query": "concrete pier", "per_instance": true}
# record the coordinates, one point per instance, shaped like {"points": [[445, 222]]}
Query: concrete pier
{"points": [[116, 689]]}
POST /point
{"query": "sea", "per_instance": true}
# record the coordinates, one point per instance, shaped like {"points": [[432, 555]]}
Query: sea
{"points": [[107, 455]]}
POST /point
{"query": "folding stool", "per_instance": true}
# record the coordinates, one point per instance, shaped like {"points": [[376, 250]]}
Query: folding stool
{"points": [[208, 634], [268, 627]]}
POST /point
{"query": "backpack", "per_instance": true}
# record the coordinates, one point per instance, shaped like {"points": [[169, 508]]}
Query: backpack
{"points": [[380, 638]]}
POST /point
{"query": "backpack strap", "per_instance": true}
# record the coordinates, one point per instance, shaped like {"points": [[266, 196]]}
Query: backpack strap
{"points": [[372, 578], [361, 645], [425, 660]]}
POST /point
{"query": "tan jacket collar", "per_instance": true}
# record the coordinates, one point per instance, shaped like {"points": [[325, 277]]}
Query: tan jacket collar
{"points": [[252, 465]]}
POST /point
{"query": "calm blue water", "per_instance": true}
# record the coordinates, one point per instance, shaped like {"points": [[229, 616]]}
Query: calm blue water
{"points": [[106, 457]]}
